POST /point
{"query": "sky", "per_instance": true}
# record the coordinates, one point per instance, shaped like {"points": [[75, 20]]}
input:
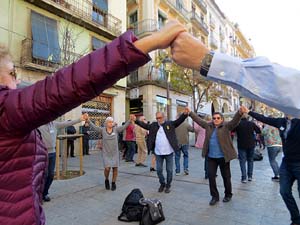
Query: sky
{"points": [[272, 25]]}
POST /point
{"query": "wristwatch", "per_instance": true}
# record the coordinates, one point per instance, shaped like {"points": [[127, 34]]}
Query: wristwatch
{"points": [[206, 62]]}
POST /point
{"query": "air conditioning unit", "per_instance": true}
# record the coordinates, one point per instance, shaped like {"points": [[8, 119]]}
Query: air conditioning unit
{"points": [[134, 93]]}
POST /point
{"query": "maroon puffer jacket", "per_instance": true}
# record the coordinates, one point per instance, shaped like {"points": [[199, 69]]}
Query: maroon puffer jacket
{"points": [[23, 156]]}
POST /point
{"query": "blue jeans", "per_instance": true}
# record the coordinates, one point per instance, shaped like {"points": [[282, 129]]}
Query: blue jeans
{"points": [[130, 150], [272, 153], [246, 155], [49, 173], [289, 172], [169, 168], [184, 149]]}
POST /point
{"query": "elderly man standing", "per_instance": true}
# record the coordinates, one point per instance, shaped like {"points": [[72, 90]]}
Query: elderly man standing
{"points": [[162, 140], [218, 147]]}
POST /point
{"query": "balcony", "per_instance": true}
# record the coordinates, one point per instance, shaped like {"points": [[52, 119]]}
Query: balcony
{"points": [[144, 27], [83, 13], [199, 22], [177, 7], [202, 5], [50, 66], [213, 43], [212, 23], [222, 34]]}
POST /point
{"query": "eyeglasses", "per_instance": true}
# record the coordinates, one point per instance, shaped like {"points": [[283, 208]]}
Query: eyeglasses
{"points": [[158, 118], [13, 73], [216, 118]]}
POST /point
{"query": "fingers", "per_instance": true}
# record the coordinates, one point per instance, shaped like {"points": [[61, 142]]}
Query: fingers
{"points": [[84, 117], [187, 110], [188, 51]]}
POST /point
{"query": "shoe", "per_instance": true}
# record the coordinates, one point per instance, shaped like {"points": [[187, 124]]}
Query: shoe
{"points": [[46, 198], [143, 165], [244, 181], [161, 188], [168, 189], [177, 174], [226, 199], [113, 186], [138, 164], [276, 178], [213, 201], [152, 169], [249, 178], [73, 156], [107, 186], [186, 172]]}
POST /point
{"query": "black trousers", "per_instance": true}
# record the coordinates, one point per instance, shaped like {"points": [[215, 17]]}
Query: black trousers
{"points": [[213, 164], [85, 146], [70, 147]]}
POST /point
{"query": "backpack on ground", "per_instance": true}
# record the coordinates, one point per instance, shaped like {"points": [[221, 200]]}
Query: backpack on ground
{"points": [[152, 212], [132, 209]]}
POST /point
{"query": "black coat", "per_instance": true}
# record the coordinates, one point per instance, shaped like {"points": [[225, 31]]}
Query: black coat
{"points": [[169, 128], [245, 134], [290, 145]]}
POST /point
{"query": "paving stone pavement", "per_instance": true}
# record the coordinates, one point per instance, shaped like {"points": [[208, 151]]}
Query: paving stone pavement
{"points": [[84, 200]]}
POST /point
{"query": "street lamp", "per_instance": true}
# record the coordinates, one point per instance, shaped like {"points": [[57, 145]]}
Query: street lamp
{"points": [[167, 63]]}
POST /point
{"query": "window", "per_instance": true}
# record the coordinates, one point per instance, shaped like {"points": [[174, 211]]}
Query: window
{"points": [[161, 104], [100, 8], [180, 106], [45, 38], [133, 18], [161, 20], [96, 43]]}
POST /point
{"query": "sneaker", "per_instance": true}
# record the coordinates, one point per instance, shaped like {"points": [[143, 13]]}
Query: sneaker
{"points": [[138, 164], [107, 186], [276, 178], [161, 188], [186, 172], [244, 181], [177, 174], [113, 186], [250, 179], [152, 169]]}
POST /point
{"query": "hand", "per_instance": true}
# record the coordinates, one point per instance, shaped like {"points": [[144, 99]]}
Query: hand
{"points": [[187, 110], [160, 39], [187, 51], [84, 117], [243, 109]]}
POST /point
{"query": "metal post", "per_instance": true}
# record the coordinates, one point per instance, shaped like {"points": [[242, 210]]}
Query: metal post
{"points": [[57, 158], [168, 97]]}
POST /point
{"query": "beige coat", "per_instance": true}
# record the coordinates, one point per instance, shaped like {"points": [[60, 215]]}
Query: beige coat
{"points": [[223, 134]]}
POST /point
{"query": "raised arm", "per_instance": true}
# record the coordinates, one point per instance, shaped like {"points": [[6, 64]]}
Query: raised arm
{"points": [[198, 120], [235, 120], [256, 78], [120, 129], [275, 122], [64, 124], [81, 81], [94, 127], [180, 119]]}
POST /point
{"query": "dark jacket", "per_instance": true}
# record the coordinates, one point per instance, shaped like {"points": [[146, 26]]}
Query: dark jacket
{"points": [[169, 128], [23, 156], [290, 145], [71, 130], [223, 133], [245, 134]]}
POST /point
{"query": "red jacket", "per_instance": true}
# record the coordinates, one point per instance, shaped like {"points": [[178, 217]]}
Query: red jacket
{"points": [[23, 157]]}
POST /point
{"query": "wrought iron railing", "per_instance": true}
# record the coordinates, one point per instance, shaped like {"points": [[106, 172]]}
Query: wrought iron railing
{"points": [[202, 24]]}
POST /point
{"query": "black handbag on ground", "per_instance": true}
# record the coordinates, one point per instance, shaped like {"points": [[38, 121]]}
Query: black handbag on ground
{"points": [[152, 212]]}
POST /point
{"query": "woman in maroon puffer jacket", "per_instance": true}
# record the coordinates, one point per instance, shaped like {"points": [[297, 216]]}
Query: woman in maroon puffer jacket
{"points": [[22, 153]]}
